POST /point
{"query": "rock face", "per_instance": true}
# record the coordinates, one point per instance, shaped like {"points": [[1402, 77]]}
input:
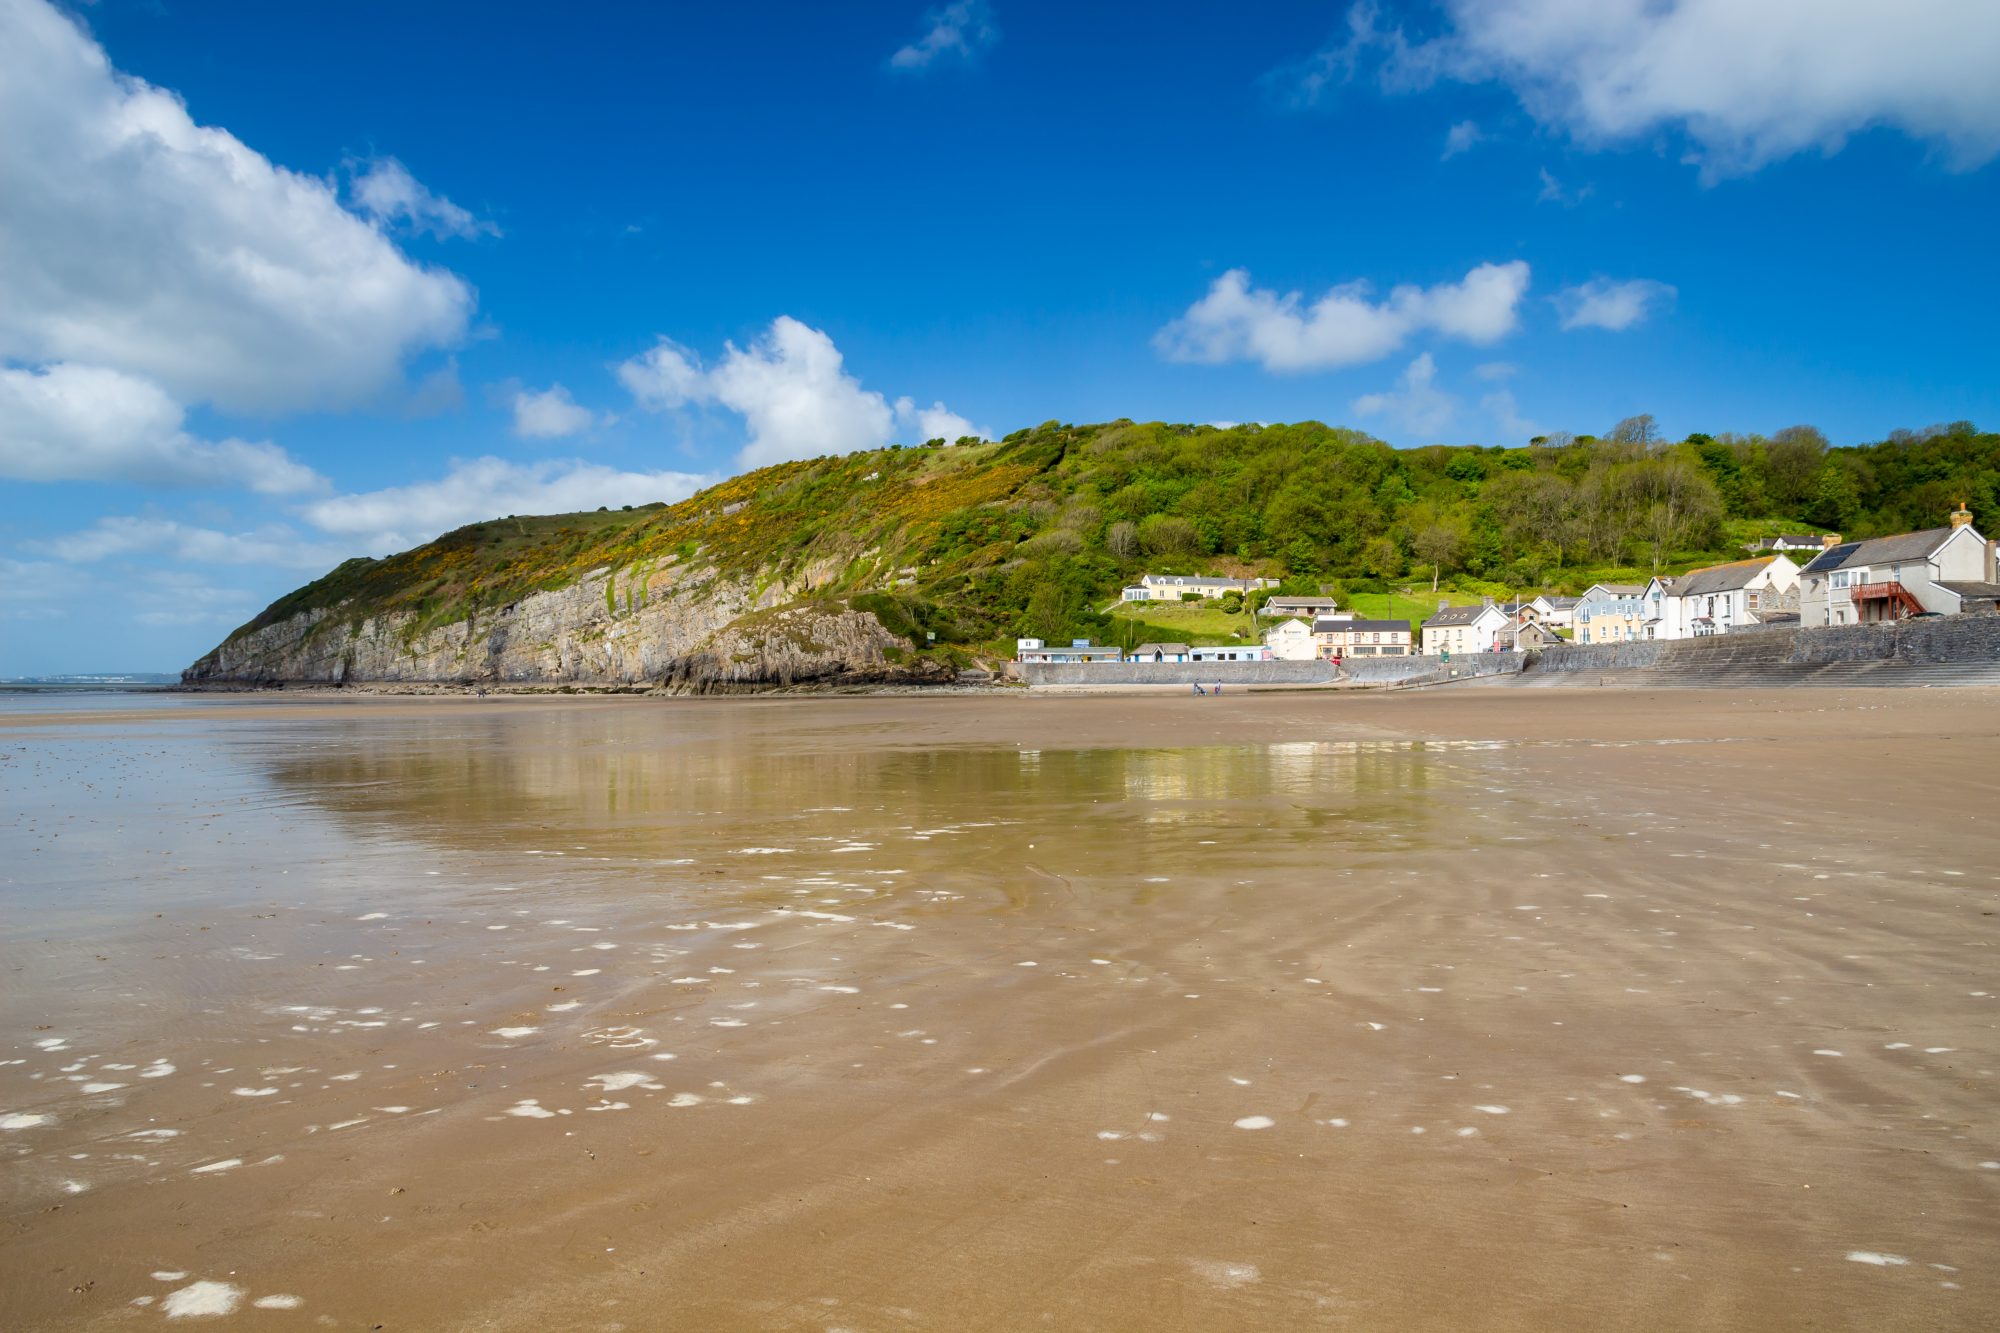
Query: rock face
{"points": [[669, 628]]}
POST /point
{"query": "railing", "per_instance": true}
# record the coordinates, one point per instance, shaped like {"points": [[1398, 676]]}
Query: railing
{"points": [[1901, 600]]}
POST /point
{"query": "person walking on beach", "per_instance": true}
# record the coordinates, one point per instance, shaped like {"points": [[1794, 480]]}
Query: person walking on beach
{"points": [[1198, 689]]}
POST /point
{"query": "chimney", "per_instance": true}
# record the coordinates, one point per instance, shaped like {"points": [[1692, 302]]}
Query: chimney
{"points": [[1486, 601], [1961, 517], [1992, 561], [1828, 542]]}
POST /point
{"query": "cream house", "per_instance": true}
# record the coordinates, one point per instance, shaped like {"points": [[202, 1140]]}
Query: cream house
{"points": [[1350, 636]]}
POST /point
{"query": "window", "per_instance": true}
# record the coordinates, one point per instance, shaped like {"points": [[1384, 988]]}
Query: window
{"points": [[1839, 578]]}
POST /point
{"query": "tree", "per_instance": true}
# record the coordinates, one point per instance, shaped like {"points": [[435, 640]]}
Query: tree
{"points": [[1168, 534], [1438, 546], [1122, 540], [1794, 456], [1669, 505], [1639, 430], [1383, 558]]}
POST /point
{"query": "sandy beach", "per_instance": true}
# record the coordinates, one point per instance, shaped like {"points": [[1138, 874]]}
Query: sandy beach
{"points": [[1458, 1009]]}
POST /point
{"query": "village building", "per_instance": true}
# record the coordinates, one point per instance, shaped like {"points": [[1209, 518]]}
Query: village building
{"points": [[1789, 542], [1351, 636], [1159, 652], [1722, 599], [1466, 629], [1550, 611], [1940, 571], [1172, 587], [1307, 609], [1231, 653], [1610, 613], [1078, 650], [1292, 641], [1530, 634]]}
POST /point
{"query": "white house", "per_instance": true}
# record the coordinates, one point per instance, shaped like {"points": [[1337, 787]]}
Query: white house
{"points": [[1551, 612], [1466, 629], [1307, 609], [1159, 652], [1351, 636], [1292, 641], [1170, 587], [1942, 570], [1787, 542], [1237, 653], [1722, 598]]}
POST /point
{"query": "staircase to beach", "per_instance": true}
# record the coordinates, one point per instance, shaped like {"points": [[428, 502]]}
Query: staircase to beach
{"points": [[1933, 653]]}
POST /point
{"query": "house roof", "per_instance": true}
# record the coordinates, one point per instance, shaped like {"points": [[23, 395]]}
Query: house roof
{"points": [[1465, 615], [1881, 550], [1335, 626], [1722, 578], [1164, 649], [1618, 591], [1560, 603], [1976, 591]]}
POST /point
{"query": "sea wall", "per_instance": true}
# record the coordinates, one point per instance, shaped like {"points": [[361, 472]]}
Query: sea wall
{"points": [[1939, 640], [1177, 673]]}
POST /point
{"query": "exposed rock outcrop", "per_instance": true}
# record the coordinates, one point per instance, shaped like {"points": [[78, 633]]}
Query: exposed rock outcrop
{"points": [[664, 627]]}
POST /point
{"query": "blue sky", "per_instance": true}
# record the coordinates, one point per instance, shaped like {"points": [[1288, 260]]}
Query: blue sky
{"points": [[281, 284]]}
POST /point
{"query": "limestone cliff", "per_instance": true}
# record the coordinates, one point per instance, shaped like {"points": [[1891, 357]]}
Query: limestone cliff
{"points": [[657, 627]]}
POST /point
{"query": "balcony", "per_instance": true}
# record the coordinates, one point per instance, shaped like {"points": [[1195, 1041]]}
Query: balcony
{"points": [[1896, 601]]}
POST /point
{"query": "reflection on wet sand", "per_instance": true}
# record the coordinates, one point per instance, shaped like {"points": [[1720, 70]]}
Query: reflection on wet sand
{"points": [[719, 1015]]}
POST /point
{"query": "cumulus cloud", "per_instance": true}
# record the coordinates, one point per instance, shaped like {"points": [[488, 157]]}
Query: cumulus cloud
{"points": [[958, 31], [1461, 138], [384, 190], [1554, 192], [399, 517], [177, 597], [1238, 322], [1746, 84], [121, 535], [134, 239], [791, 388], [550, 414], [1506, 414], [937, 422], [85, 423], [1417, 404], [1603, 304]]}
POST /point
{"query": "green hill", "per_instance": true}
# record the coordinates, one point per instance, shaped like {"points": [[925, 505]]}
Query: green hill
{"points": [[956, 550]]}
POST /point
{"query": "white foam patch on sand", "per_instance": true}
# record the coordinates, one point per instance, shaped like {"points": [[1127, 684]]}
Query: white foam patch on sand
{"points": [[1255, 1122], [1826, 1052], [204, 1299], [278, 1302], [102, 1087], [373, 916], [24, 1120], [1631, 1078], [512, 1034], [1492, 1110], [1225, 1275], [1879, 1260], [169, 1275], [256, 1092], [685, 1099], [530, 1108], [623, 1079], [158, 1069], [226, 1164]]}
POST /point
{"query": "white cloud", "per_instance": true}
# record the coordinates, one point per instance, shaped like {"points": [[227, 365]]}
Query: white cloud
{"points": [[1745, 83], [1603, 304], [134, 239], [1553, 192], [174, 597], [84, 423], [1238, 322], [1462, 138], [959, 30], [1514, 428], [1495, 370], [1418, 405], [473, 490], [937, 422], [385, 190], [791, 389], [550, 414], [126, 535]]}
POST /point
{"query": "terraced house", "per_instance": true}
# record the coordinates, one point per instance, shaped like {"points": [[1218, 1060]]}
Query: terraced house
{"points": [[1722, 599], [1940, 571]]}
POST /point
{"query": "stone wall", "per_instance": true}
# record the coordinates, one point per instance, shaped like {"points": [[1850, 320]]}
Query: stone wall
{"points": [[1177, 673], [1939, 640]]}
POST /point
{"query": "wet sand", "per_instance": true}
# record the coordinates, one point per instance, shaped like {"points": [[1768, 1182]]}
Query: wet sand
{"points": [[1471, 1010]]}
